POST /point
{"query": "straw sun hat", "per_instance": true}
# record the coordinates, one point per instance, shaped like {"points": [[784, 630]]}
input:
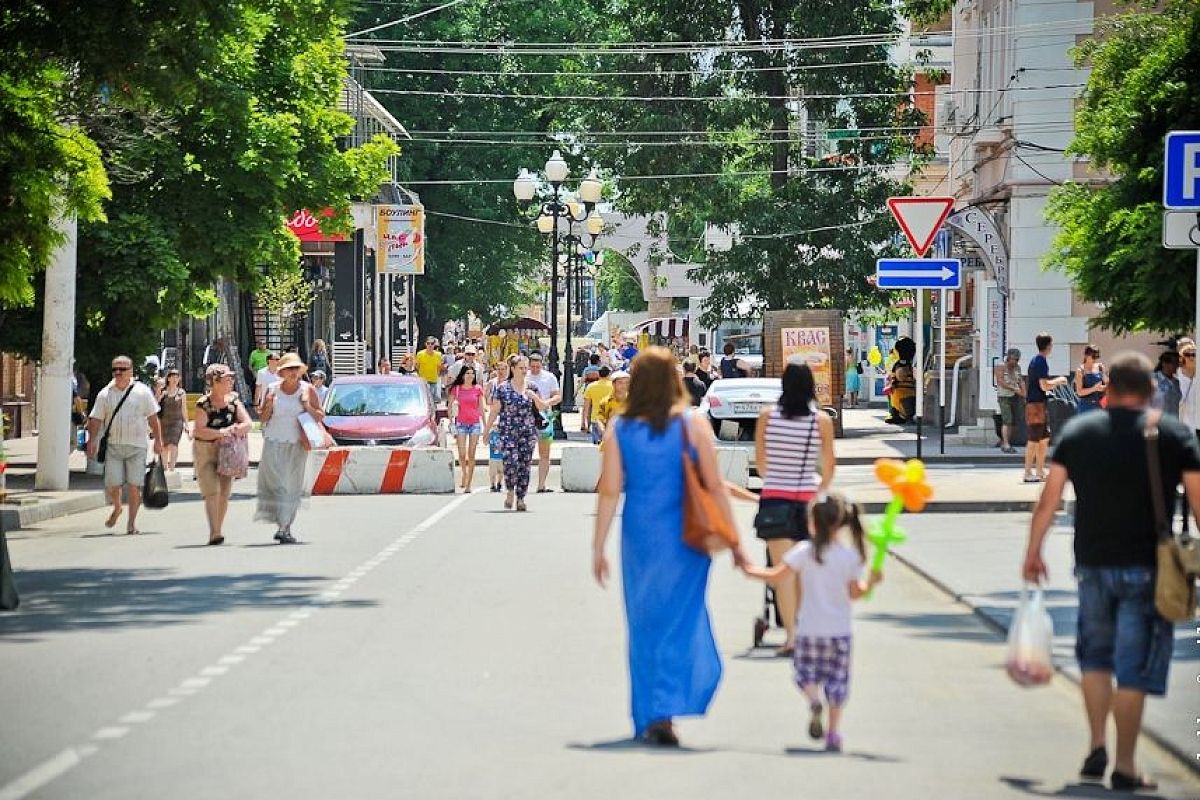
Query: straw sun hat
{"points": [[291, 360]]}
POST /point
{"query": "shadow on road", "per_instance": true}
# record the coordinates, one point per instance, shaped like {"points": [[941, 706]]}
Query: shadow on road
{"points": [[951, 625], [96, 599], [634, 744], [1081, 790]]}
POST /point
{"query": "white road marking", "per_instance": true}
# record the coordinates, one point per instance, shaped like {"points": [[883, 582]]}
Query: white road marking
{"points": [[111, 732], [43, 773], [135, 717], [231, 659], [58, 765]]}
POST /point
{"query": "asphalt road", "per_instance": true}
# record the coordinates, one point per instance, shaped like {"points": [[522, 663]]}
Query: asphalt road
{"points": [[426, 646]]}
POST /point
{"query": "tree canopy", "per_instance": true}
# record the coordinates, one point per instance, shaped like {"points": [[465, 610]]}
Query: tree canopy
{"points": [[212, 121], [1145, 77]]}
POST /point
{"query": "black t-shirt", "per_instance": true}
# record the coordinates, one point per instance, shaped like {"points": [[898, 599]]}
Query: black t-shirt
{"points": [[695, 387], [1105, 455], [705, 377]]}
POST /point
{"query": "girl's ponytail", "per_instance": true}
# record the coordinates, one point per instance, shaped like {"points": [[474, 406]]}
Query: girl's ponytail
{"points": [[854, 523]]}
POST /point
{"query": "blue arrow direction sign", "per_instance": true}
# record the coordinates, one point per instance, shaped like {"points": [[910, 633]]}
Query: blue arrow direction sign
{"points": [[918, 273]]}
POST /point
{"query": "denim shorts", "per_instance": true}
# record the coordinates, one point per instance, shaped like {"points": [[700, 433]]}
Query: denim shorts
{"points": [[463, 429], [1119, 629]]}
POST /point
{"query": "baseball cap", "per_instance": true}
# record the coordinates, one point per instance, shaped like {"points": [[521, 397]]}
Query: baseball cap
{"points": [[470, 350], [616, 376]]}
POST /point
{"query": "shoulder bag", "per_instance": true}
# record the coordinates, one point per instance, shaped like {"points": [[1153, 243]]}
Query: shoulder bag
{"points": [[1178, 557], [102, 448], [705, 526], [783, 518], [233, 454]]}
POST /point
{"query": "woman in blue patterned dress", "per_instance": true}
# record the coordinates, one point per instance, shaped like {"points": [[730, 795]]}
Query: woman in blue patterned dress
{"points": [[674, 667], [514, 405]]}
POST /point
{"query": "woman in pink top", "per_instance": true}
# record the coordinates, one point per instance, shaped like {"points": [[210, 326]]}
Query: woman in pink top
{"points": [[467, 410]]}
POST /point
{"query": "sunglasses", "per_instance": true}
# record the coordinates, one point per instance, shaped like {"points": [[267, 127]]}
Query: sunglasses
{"points": [[120, 369], [1189, 355]]}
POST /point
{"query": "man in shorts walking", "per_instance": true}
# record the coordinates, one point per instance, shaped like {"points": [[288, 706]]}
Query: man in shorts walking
{"points": [[1010, 389], [547, 388], [1038, 383], [127, 410], [1120, 634]]}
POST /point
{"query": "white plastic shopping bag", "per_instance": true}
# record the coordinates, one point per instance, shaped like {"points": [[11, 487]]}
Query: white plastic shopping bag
{"points": [[1030, 641]]}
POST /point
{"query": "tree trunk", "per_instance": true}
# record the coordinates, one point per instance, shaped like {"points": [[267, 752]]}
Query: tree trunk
{"points": [[430, 322]]}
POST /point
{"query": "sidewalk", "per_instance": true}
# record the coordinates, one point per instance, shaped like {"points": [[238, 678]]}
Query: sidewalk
{"points": [[977, 559]]}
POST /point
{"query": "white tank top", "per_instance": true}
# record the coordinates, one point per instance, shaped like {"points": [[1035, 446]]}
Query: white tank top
{"points": [[284, 425]]}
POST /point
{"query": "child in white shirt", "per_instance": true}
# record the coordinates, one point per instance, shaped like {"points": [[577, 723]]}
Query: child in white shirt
{"points": [[829, 569]]}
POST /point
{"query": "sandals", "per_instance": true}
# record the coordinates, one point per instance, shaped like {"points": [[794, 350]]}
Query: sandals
{"points": [[1095, 765], [815, 727], [787, 651], [217, 540], [544, 491], [132, 531], [521, 506], [661, 734], [112, 518], [833, 743], [508, 501], [1121, 782]]}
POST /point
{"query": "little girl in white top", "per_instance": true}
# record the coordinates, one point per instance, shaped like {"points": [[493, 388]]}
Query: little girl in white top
{"points": [[829, 566]]}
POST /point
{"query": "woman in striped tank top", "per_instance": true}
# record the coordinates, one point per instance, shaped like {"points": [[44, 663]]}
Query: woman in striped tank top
{"points": [[791, 441]]}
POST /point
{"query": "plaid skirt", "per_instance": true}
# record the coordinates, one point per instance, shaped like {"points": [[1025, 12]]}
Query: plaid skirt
{"points": [[824, 662]]}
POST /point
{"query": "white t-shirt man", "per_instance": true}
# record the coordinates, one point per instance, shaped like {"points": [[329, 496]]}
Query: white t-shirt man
{"points": [[129, 426], [824, 596], [265, 380], [545, 383]]}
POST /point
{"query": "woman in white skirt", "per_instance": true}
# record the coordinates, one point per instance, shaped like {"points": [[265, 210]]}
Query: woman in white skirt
{"points": [[281, 469]]}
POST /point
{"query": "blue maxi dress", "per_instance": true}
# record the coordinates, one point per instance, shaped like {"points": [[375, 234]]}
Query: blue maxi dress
{"points": [[674, 666]]}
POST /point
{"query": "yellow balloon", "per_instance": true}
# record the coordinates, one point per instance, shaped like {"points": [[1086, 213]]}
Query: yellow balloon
{"points": [[874, 356], [914, 471]]}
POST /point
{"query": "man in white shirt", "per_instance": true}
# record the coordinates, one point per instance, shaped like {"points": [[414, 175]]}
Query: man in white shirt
{"points": [[266, 378], [124, 409], [470, 359], [547, 388]]}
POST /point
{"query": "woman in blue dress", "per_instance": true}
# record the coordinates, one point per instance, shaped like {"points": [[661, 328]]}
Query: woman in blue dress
{"points": [[1090, 381], [674, 667]]}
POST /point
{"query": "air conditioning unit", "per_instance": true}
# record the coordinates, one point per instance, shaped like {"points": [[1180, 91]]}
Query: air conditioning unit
{"points": [[947, 115]]}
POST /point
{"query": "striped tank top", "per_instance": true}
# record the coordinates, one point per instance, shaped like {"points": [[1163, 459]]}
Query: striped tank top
{"points": [[793, 447]]}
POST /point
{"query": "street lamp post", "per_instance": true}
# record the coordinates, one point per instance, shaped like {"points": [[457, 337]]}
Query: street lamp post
{"points": [[573, 269], [553, 208]]}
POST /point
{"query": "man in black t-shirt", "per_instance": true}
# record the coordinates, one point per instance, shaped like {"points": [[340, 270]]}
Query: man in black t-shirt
{"points": [[1120, 633]]}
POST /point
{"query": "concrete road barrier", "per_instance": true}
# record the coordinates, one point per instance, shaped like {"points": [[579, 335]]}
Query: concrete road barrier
{"points": [[580, 467], [381, 470], [734, 463]]}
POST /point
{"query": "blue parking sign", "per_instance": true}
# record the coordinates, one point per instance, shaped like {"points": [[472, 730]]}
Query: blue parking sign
{"points": [[1181, 171]]}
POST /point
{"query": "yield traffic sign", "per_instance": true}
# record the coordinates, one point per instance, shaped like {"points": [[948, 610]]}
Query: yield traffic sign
{"points": [[920, 218], [918, 273], [1181, 171]]}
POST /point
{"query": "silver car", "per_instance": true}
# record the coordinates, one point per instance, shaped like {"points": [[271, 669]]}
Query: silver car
{"points": [[739, 400]]}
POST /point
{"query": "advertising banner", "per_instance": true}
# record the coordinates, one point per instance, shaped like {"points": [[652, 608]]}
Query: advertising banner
{"points": [[306, 226], [811, 346], [400, 239]]}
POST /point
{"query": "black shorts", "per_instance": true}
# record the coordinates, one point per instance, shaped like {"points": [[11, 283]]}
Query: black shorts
{"points": [[795, 512]]}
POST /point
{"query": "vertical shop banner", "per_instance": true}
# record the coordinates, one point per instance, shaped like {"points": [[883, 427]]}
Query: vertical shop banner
{"points": [[811, 346], [400, 239]]}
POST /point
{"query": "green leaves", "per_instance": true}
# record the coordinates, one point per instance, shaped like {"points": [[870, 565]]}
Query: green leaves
{"points": [[1144, 81]]}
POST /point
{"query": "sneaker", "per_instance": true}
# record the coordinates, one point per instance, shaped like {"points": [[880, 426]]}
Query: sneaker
{"points": [[1095, 765], [833, 743], [815, 728]]}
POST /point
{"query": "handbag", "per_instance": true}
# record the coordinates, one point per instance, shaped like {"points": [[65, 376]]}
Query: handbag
{"points": [[705, 526], [154, 487], [233, 457], [313, 433], [1178, 556], [102, 448]]}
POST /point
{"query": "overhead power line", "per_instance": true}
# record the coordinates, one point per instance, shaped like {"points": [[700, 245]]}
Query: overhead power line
{"points": [[708, 99], [805, 170], [403, 20], [618, 73]]}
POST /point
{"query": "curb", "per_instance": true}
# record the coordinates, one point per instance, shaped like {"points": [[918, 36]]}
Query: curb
{"points": [[1188, 760], [18, 517]]}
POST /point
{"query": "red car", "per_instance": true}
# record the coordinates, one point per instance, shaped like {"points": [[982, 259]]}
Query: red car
{"points": [[380, 410]]}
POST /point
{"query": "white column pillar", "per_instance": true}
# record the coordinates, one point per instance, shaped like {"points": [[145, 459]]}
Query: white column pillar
{"points": [[58, 349]]}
